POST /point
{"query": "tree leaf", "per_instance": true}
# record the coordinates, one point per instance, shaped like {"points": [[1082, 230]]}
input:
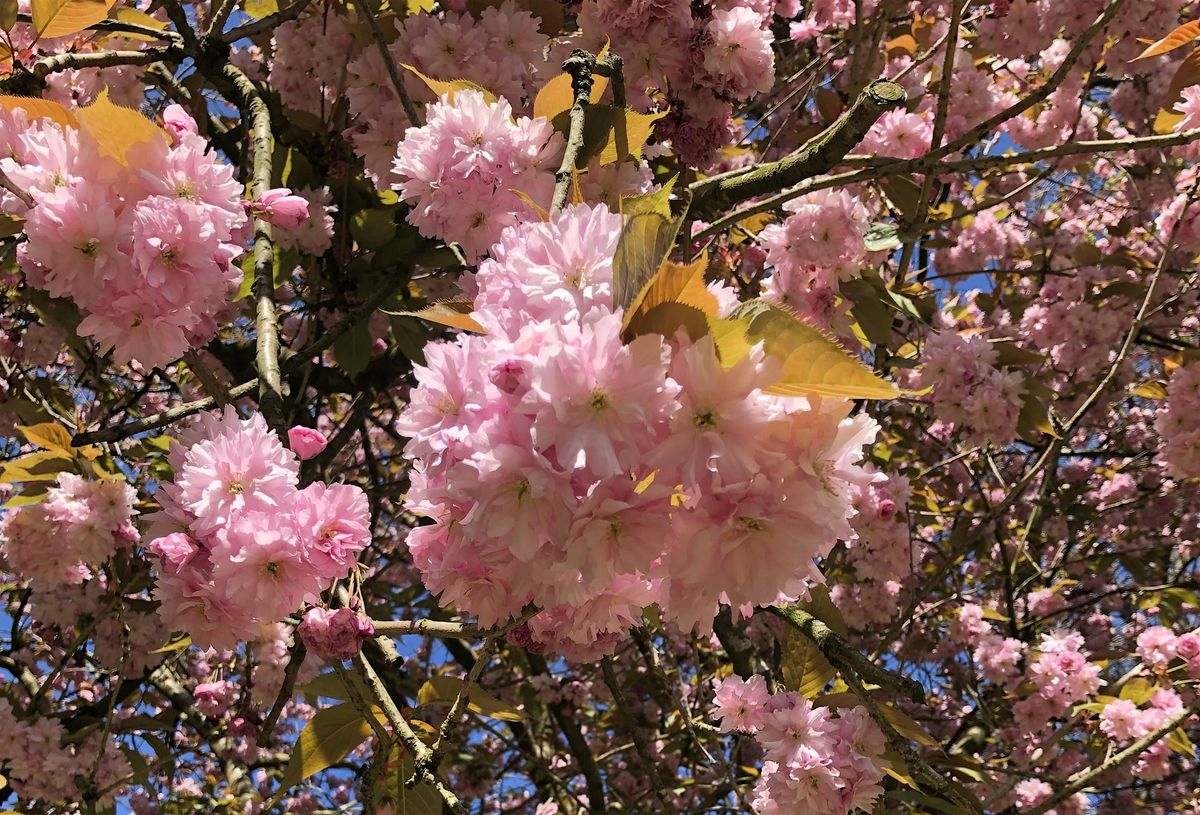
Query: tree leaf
{"points": [[373, 228], [881, 237], [420, 799], [675, 297], [873, 316], [59, 18], [1181, 36], [446, 689], [1034, 417], [44, 465], [449, 88], [174, 645], [805, 669], [128, 14], [658, 201], [811, 363], [48, 435], [326, 739], [1186, 75], [118, 129], [646, 240], [352, 349], [1179, 742], [450, 313], [557, 95], [40, 109], [260, 8], [8, 14], [332, 685], [1165, 121]]}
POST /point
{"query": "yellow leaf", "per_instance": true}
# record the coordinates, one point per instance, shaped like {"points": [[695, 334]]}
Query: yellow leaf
{"points": [[174, 645], [534, 205], [10, 225], [905, 44], [260, 8], [673, 286], [810, 362], [40, 109], [48, 435], [1151, 390], [326, 739], [1138, 690], [446, 689], [8, 18], [44, 465], [805, 669], [59, 18], [417, 6], [1181, 36], [628, 135], [1165, 121], [448, 89], [128, 14], [451, 313], [829, 105], [118, 129], [557, 95]]}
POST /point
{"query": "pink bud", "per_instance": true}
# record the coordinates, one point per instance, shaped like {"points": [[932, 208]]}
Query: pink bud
{"points": [[306, 442], [1188, 645], [337, 634], [176, 550], [507, 376], [281, 208], [177, 121]]}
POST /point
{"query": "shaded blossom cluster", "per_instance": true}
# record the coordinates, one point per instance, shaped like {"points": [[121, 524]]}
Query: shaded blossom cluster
{"points": [[816, 759], [78, 526]]}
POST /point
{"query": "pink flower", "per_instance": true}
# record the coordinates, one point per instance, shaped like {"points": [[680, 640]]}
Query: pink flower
{"points": [[1156, 646], [306, 442], [1188, 645], [333, 524], [177, 121], [176, 550], [741, 704], [1121, 721], [337, 635], [740, 56], [280, 208]]}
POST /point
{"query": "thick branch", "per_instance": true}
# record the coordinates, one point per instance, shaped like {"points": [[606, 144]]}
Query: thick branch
{"points": [[270, 388], [580, 66], [816, 157], [158, 420], [845, 657]]}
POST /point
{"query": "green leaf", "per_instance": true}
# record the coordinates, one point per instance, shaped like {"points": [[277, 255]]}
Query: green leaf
{"points": [[332, 685], [1138, 690], [326, 739], [610, 134], [446, 689], [1009, 353], [352, 349], [10, 224], [882, 236], [8, 14], [811, 363], [1179, 742], [420, 799], [646, 240], [1034, 417], [675, 297], [658, 201], [873, 317], [373, 228], [60, 18], [805, 669]]}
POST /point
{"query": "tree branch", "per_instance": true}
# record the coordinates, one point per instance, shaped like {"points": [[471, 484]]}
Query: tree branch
{"points": [[818, 156], [580, 66]]}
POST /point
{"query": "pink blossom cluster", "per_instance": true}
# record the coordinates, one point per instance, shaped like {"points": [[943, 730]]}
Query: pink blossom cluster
{"points": [[1061, 675], [463, 169], [1178, 422], [1158, 646], [239, 545], [969, 390], [728, 57], [879, 554], [1124, 722], [78, 526], [501, 50], [335, 634], [565, 468], [147, 251], [39, 766], [815, 761], [819, 244]]}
